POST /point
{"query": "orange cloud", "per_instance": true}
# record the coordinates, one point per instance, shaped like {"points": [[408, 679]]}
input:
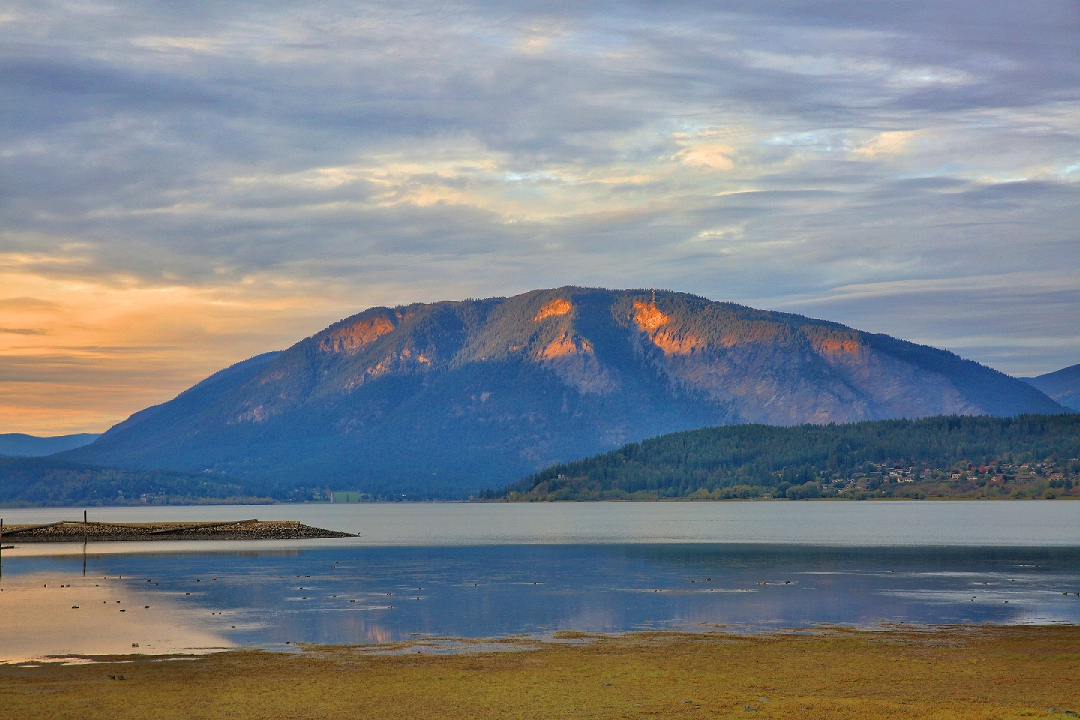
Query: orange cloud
{"points": [[895, 142], [717, 157]]}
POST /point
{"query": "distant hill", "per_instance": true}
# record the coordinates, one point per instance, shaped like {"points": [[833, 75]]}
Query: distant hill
{"points": [[1028, 456], [55, 483], [440, 399], [1062, 385], [20, 445]]}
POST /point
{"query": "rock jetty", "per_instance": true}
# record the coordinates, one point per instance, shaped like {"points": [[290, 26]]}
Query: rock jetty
{"points": [[75, 531]]}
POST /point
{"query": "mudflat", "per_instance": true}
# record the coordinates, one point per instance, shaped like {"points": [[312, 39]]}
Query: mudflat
{"points": [[955, 672]]}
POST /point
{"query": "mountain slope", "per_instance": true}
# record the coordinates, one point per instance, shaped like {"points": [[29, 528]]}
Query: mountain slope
{"points": [[441, 399], [20, 445], [1062, 385]]}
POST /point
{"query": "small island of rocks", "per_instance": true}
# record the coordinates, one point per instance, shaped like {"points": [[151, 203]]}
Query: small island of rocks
{"points": [[76, 531]]}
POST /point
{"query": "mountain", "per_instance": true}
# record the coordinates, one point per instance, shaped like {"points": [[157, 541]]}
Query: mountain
{"points": [[440, 399], [1026, 456], [1062, 385], [20, 445]]}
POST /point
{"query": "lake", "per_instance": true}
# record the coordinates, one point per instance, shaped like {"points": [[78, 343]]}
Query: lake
{"points": [[491, 570]]}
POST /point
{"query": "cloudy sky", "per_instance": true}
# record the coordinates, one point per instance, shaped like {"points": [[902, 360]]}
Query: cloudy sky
{"points": [[183, 185]]}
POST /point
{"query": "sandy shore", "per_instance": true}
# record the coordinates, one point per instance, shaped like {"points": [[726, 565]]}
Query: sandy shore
{"points": [[955, 673]]}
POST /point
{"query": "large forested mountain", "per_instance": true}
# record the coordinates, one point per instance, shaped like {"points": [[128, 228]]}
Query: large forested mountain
{"points": [[442, 399], [1061, 385]]}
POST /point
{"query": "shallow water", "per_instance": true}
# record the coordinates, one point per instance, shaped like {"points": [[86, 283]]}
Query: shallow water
{"points": [[857, 524], [449, 570], [381, 594]]}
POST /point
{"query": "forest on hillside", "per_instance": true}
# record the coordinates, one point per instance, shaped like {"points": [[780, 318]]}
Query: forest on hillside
{"points": [[1029, 456], [48, 482]]}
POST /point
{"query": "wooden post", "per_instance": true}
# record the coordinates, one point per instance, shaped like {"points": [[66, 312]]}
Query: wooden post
{"points": [[1, 547]]}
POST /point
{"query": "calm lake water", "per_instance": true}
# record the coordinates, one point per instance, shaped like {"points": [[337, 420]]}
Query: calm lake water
{"points": [[461, 570], [851, 524]]}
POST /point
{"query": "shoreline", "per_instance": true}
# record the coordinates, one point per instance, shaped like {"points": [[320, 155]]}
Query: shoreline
{"points": [[967, 671], [453, 646]]}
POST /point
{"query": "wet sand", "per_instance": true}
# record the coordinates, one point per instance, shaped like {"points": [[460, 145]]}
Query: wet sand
{"points": [[41, 617], [956, 673]]}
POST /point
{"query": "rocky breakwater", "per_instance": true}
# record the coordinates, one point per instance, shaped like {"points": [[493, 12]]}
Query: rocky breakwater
{"points": [[75, 531]]}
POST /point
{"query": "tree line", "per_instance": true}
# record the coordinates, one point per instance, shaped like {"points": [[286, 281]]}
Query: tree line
{"points": [[949, 455]]}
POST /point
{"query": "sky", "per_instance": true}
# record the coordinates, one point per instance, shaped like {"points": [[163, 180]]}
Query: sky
{"points": [[185, 185]]}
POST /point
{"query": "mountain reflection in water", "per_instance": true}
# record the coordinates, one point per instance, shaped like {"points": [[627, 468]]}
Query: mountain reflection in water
{"points": [[353, 594]]}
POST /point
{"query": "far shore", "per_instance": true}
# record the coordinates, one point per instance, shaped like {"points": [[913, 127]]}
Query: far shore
{"points": [[526, 501]]}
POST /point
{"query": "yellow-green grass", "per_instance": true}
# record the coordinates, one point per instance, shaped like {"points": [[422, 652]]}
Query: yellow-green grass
{"points": [[985, 672]]}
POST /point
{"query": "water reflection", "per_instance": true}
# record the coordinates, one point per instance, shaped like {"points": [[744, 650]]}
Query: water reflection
{"points": [[49, 614], [351, 594]]}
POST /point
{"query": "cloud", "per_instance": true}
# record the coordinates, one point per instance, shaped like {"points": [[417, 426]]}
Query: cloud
{"points": [[893, 142], [304, 162], [26, 303], [167, 44], [717, 156]]}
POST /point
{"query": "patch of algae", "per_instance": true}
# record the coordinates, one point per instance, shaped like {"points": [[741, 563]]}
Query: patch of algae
{"points": [[956, 673]]}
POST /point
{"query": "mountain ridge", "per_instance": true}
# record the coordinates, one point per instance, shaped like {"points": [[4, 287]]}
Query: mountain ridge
{"points": [[439, 399], [1062, 386], [23, 445]]}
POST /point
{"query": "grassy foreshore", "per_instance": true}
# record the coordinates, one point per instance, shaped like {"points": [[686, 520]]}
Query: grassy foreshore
{"points": [[956, 673]]}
